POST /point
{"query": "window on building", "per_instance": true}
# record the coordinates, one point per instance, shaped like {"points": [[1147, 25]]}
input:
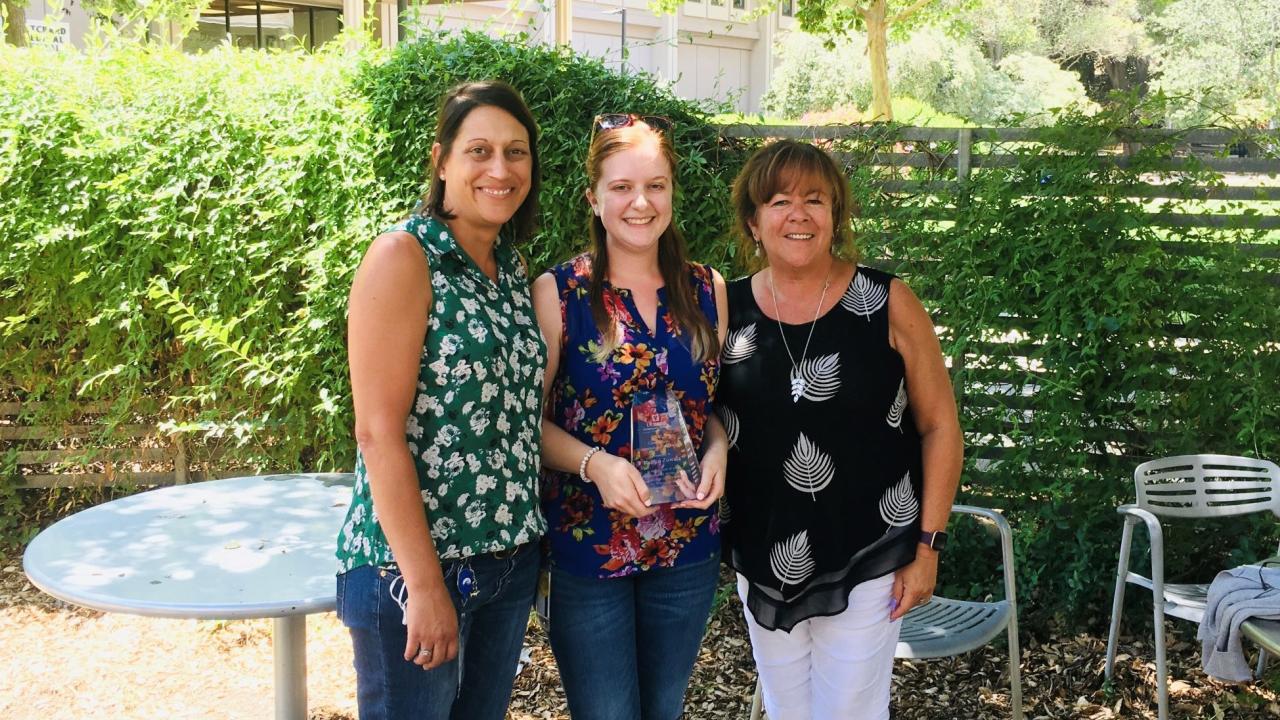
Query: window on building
{"points": [[788, 8], [739, 4], [259, 24]]}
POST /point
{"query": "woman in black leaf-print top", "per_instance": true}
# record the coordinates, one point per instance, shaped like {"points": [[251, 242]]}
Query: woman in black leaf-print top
{"points": [[845, 449]]}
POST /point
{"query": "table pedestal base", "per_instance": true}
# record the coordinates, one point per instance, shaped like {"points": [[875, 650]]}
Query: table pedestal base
{"points": [[289, 641]]}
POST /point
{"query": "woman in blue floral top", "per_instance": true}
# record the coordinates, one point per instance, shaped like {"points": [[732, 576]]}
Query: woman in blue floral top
{"points": [[631, 580]]}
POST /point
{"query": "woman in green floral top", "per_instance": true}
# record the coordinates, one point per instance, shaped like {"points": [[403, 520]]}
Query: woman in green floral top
{"points": [[447, 364]]}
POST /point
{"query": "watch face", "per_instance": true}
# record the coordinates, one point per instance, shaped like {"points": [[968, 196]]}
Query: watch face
{"points": [[935, 540]]}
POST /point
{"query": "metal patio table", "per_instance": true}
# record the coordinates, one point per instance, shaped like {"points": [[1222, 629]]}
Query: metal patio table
{"points": [[245, 547]]}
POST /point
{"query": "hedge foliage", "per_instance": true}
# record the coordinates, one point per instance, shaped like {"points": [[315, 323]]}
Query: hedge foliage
{"points": [[178, 234], [1086, 339]]}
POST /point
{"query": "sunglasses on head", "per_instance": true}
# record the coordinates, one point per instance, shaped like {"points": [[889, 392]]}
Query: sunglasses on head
{"points": [[613, 121]]}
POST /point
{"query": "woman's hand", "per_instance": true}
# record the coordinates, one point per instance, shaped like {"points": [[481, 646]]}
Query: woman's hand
{"points": [[913, 585], [711, 487], [621, 485], [432, 625]]}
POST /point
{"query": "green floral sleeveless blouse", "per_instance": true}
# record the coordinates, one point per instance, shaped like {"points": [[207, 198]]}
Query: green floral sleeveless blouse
{"points": [[475, 427]]}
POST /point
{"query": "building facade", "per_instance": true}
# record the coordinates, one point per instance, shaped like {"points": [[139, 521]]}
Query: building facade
{"points": [[719, 50], [710, 49]]}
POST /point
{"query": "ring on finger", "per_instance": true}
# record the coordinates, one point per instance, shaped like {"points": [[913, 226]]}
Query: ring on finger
{"points": [[424, 652]]}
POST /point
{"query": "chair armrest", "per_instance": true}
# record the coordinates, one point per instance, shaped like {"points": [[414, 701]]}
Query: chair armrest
{"points": [[1155, 532], [1006, 543]]}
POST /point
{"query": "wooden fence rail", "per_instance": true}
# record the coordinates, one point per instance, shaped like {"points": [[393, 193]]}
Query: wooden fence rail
{"points": [[79, 454]]}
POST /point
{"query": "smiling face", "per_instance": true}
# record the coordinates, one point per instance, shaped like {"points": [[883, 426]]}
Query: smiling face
{"points": [[487, 171], [633, 195], [795, 225]]}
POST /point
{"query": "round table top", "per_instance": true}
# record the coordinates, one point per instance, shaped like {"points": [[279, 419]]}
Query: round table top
{"points": [[245, 547]]}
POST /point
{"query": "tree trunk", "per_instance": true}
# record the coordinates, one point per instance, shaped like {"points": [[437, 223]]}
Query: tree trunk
{"points": [[15, 25], [1115, 69], [878, 53]]}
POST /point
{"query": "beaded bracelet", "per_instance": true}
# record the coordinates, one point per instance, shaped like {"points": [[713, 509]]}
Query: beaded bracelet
{"points": [[582, 466]]}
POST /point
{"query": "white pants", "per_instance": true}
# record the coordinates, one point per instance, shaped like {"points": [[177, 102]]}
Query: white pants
{"points": [[829, 668]]}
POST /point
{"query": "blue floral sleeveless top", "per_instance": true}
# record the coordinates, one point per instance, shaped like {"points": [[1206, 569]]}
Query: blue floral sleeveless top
{"points": [[592, 401]]}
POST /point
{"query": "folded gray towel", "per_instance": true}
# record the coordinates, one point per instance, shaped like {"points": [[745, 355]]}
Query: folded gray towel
{"points": [[1236, 595]]}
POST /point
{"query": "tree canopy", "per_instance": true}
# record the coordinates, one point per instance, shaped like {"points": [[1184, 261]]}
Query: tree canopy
{"points": [[1219, 59], [877, 18], [1222, 55]]}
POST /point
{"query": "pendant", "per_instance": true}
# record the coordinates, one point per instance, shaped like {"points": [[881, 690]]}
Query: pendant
{"points": [[797, 385]]}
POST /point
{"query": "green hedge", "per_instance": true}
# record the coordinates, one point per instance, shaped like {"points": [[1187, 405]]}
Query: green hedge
{"points": [[178, 234], [1086, 339]]}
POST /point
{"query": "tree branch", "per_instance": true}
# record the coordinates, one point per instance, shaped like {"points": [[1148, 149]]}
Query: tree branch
{"points": [[857, 6], [908, 12]]}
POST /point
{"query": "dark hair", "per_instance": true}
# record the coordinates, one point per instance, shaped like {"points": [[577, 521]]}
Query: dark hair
{"points": [[775, 168], [672, 255], [456, 105]]}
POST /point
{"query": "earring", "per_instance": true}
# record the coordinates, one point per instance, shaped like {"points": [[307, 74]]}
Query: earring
{"points": [[758, 245]]}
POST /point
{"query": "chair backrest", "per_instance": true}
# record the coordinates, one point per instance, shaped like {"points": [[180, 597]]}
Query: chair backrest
{"points": [[1200, 486]]}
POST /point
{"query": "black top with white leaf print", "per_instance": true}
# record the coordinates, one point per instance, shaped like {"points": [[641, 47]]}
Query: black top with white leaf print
{"points": [[824, 474]]}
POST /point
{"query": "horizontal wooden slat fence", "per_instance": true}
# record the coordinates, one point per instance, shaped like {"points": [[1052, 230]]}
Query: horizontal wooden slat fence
{"points": [[85, 452], [1002, 370]]}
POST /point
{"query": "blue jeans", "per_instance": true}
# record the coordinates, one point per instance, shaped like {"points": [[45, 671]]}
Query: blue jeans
{"points": [[626, 646], [491, 624]]}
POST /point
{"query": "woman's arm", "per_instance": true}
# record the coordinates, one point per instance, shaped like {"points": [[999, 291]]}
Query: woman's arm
{"points": [[386, 324], [941, 444], [621, 486]]}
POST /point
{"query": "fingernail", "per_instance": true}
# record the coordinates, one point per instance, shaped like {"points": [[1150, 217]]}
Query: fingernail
{"points": [[702, 496], [893, 604]]}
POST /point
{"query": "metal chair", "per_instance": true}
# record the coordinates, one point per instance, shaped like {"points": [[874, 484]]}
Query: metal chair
{"points": [[1184, 486], [944, 627]]}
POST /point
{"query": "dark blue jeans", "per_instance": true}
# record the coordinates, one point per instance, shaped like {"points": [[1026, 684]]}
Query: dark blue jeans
{"points": [[491, 626], [626, 646]]}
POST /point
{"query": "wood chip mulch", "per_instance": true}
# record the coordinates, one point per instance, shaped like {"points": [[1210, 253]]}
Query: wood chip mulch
{"points": [[58, 661]]}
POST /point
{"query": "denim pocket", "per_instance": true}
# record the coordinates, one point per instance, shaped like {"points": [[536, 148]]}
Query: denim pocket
{"points": [[340, 592], [357, 597]]}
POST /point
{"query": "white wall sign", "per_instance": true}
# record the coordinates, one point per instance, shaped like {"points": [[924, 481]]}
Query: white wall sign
{"points": [[51, 35]]}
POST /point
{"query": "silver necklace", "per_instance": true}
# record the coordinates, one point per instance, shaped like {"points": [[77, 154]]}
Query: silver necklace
{"points": [[797, 377]]}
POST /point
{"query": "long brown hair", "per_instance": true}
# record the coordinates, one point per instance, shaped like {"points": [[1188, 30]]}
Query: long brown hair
{"points": [[672, 255], [455, 106], [776, 167]]}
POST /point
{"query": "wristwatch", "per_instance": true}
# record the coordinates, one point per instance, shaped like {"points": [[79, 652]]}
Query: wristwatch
{"points": [[937, 540]]}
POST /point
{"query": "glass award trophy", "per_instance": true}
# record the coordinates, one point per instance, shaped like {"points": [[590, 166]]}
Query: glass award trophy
{"points": [[661, 447]]}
